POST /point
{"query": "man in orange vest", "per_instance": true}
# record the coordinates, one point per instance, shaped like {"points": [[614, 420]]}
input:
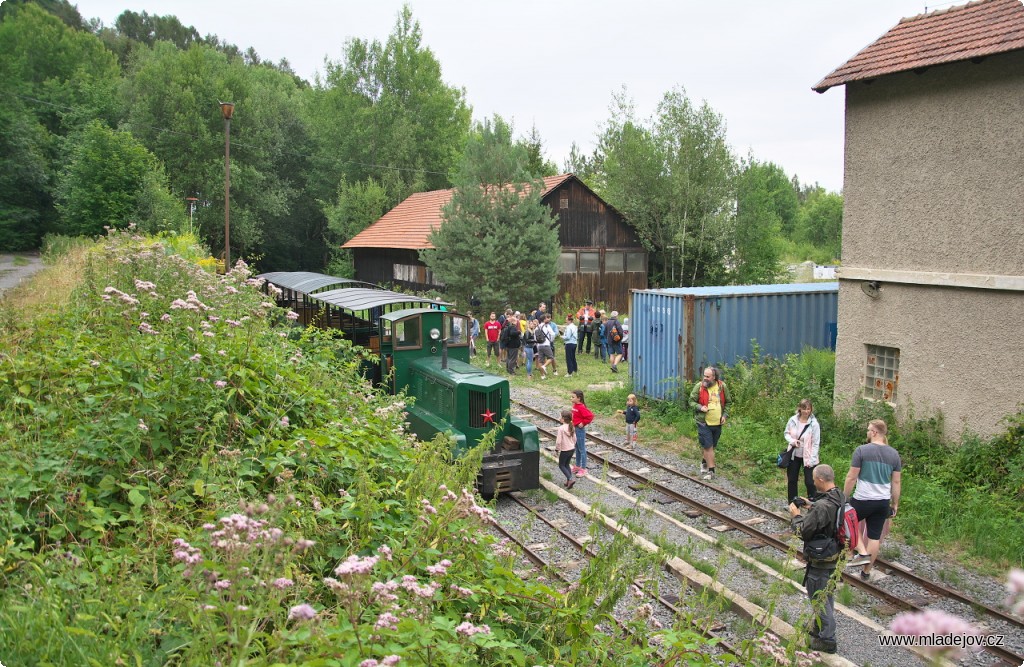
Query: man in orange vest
{"points": [[586, 316]]}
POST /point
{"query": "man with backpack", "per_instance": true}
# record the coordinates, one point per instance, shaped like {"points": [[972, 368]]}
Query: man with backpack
{"points": [[820, 527], [613, 332]]}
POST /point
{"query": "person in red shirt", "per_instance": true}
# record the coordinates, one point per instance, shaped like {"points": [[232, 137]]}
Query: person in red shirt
{"points": [[492, 329], [581, 416]]}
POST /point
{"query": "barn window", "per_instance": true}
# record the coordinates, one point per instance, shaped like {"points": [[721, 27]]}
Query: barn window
{"points": [[590, 262], [567, 262], [635, 262], [614, 262], [882, 373], [563, 202]]}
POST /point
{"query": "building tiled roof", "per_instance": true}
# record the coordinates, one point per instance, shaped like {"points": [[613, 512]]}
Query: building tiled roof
{"points": [[974, 30], [409, 224]]}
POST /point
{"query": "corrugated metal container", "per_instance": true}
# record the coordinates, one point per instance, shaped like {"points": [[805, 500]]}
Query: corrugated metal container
{"points": [[675, 333]]}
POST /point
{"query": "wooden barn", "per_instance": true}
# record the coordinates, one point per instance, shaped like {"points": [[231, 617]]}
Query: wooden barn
{"points": [[602, 257]]}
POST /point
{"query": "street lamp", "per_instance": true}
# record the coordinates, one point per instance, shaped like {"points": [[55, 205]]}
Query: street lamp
{"points": [[227, 109]]}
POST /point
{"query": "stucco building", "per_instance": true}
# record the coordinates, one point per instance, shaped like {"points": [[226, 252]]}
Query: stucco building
{"points": [[602, 257], [931, 296]]}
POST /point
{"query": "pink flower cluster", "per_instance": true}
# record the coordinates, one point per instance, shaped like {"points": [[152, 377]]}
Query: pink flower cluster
{"points": [[127, 298], [440, 568], [239, 532], [1015, 585], [301, 612], [354, 565], [770, 646], [932, 622], [468, 629], [386, 662]]}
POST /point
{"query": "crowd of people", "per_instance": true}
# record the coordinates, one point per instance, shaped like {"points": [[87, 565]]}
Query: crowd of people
{"points": [[872, 485], [515, 340]]}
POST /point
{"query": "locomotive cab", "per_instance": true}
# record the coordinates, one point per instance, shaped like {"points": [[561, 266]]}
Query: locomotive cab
{"points": [[428, 351]]}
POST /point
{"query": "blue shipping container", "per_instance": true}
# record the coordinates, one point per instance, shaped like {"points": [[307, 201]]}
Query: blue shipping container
{"points": [[675, 333]]}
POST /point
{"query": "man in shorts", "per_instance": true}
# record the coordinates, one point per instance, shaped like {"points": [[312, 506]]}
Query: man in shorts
{"points": [[876, 469], [709, 400], [612, 328]]}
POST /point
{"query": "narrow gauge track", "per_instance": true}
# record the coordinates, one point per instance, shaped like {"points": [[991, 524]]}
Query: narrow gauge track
{"points": [[588, 552], [898, 601]]}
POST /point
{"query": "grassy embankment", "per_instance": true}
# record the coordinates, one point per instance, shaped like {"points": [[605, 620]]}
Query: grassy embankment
{"points": [[187, 477]]}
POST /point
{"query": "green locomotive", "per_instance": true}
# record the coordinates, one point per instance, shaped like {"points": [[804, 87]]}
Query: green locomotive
{"points": [[424, 349], [427, 350]]}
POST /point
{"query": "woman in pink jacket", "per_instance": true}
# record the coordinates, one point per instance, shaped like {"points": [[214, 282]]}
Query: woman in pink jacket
{"points": [[803, 437], [565, 445]]}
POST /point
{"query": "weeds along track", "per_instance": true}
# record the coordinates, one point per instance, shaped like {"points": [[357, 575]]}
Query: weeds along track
{"points": [[767, 534], [656, 596]]}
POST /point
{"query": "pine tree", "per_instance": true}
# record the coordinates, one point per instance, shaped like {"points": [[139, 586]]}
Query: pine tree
{"points": [[497, 242]]}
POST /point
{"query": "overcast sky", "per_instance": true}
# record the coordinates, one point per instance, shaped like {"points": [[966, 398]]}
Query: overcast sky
{"points": [[556, 63]]}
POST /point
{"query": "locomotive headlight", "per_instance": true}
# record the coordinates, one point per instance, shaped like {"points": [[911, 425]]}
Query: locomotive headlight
{"points": [[435, 334]]}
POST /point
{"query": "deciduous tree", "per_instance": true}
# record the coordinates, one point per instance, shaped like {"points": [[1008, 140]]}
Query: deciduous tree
{"points": [[111, 180]]}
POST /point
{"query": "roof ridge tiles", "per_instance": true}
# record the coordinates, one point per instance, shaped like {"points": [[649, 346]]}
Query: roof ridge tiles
{"points": [[964, 32]]}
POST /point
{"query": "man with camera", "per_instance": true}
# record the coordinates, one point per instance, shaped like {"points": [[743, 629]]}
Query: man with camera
{"points": [[815, 522]]}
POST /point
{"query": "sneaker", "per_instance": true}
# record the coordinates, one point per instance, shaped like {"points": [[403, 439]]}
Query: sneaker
{"points": [[556, 373], [865, 575], [823, 645], [571, 483], [709, 475], [859, 559], [582, 472], [614, 369], [575, 469], [703, 466]]}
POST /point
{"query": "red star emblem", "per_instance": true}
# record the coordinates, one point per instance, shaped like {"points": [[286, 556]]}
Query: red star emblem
{"points": [[488, 416]]}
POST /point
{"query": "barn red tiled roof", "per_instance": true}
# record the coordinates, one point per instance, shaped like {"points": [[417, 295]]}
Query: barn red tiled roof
{"points": [[409, 224], [974, 30]]}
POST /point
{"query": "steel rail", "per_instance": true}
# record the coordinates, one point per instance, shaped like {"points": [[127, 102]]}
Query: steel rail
{"points": [[853, 580]]}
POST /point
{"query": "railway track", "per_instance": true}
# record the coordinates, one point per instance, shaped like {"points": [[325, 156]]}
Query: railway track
{"points": [[668, 603], [720, 513]]}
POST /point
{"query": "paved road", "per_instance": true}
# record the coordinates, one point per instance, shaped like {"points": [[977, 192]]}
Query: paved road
{"points": [[12, 273]]}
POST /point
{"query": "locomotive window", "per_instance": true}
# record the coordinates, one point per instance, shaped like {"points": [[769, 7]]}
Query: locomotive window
{"points": [[456, 329], [635, 262], [567, 262], [407, 333], [590, 262], [614, 262]]}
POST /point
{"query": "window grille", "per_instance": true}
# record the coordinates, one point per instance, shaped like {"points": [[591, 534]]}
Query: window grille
{"points": [[481, 402]]}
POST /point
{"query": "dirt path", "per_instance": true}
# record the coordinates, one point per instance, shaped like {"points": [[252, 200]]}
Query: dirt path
{"points": [[16, 267]]}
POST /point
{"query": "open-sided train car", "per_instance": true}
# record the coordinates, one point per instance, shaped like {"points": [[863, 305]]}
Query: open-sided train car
{"points": [[424, 348]]}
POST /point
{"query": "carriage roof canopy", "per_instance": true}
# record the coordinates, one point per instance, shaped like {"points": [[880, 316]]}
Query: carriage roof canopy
{"points": [[307, 281], [350, 298]]}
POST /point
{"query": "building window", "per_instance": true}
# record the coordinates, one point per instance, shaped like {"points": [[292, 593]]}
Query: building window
{"points": [[614, 262], [563, 202], [567, 262], [635, 262], [882, 373], [590, 262]]}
